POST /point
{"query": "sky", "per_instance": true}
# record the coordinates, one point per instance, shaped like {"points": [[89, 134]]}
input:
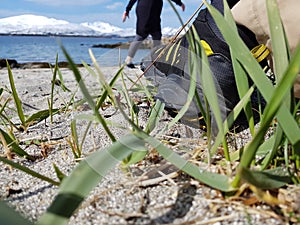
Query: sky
{"points": [[78, 11]]}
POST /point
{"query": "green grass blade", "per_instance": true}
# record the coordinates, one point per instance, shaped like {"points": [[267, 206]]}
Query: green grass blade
{"points": [[40, 115], [87, 95], [133, 109], [111, 84], [241, 78], [11, 217], [176, 12], [269, 179], [154, 117], [28, 171], [280, 48], [3, 106], [231, 118], [286, 120], [60, 175], [243, 87], [61, 80], [283, 87], [207, 81], [15, 147], [240, 74], [52, 89], [101, 76], [75, 142], [134, 157], [218, 181], [275, 140], [86, 176], [15, 95]]}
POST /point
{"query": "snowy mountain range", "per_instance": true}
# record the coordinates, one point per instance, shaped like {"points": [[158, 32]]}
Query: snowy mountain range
{"points": [[40, 25]]}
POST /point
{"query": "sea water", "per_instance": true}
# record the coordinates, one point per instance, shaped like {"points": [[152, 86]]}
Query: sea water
{"points": [[45, 48]]}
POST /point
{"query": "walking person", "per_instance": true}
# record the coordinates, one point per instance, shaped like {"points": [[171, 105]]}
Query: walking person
{"points": [[148, 14]]}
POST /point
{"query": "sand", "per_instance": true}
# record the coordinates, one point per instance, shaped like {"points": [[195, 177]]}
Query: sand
{"points": [[117, 199]]}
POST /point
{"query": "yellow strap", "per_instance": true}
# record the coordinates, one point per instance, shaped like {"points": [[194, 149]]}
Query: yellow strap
{"points": [[170, 50], [260, 52], [207, 48], [175, 55]]}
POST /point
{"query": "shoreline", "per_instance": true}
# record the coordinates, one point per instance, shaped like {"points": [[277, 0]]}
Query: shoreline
{"points": [[33, 65], [65, 35]]}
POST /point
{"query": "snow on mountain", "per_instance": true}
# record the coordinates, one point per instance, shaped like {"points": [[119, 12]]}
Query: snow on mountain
{"points": [[40, 25], [102, 27], [169, 31], [106, 28]]}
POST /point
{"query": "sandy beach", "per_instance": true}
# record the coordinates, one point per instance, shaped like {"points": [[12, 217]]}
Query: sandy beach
{"points": [[118, 199]]}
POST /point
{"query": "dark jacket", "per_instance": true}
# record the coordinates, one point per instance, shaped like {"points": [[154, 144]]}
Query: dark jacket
{"points": [[148, 15]]}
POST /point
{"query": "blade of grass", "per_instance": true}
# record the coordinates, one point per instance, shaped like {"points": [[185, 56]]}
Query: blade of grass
{"points": [[100, 75], [280, 48], [4, 106], [231, 118], [61, 79], [86, 94], [208, 83], [86, 176], [269, 179], [15, 95], [40, 115], [74, 138], [99, 101], [218, 181], [10, 217], [286, 120], [176, 12], [52, 89], [283, 87], [15, 147], [276, 140], [60, 175], [29, 171], [241, 78], [154, 117]]}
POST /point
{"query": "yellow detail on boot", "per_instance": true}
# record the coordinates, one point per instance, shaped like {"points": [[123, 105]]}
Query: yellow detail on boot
{"points": [[260, 52], [175, 55], [207, 48]]}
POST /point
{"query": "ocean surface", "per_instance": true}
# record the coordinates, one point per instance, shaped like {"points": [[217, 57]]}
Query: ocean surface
{"points": [[44, 49]]}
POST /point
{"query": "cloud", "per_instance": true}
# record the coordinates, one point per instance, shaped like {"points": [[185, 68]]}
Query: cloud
{"points": [[115, 5], [68, 2]]}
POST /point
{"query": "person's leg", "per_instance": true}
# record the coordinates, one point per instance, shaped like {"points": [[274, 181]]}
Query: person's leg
{"points": [[156, 36], [134, 46]]}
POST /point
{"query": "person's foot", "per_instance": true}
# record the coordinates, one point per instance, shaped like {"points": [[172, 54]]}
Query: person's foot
{"points": [[131, 66]]}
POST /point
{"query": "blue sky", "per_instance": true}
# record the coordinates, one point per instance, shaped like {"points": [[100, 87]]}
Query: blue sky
{"points": [[78, 11]]}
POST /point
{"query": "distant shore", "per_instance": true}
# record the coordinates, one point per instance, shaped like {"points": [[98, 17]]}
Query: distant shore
{"points": [[32, 65], [74, 35], [66, 35], [147, 44]]}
